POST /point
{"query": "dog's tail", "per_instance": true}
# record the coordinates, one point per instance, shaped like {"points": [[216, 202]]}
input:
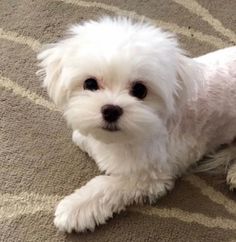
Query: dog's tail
{"points": [[218, 162]]}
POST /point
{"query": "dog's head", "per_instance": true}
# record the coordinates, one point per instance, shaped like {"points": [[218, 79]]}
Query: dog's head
{"points": [[117, 80]]}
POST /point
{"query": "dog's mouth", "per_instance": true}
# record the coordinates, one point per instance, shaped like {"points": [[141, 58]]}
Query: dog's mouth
{"points": [[111, 127]]}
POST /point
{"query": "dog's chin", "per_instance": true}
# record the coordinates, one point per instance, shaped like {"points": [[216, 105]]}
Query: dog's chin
{"points": [[109, 134]]}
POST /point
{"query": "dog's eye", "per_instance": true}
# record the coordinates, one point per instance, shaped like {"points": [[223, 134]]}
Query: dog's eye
{"points": [[138, 90], [91, 84]]}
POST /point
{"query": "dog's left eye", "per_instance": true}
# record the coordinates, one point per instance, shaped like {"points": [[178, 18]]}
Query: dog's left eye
{"points": [[138, 90], [91, 84]]}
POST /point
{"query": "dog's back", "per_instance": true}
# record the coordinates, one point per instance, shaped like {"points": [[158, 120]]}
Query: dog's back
{"points": [[220, 85], [219, 57]]}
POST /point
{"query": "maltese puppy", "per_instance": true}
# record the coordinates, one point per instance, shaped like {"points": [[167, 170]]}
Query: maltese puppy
{"points": [[142, 109]]}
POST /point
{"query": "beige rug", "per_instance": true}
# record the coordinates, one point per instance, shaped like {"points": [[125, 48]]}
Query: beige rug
{"points": [[38, 162]]}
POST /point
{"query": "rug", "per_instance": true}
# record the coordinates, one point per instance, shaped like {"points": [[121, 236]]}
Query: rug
{"points": [[39, 163]]}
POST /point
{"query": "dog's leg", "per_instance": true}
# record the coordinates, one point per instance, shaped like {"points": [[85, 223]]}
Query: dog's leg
{"points": [[231, 176], [81, 141], [222, 161], [104, 195]]}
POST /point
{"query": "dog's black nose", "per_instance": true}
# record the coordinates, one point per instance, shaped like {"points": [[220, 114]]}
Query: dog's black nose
{"points": [[111, 113]]}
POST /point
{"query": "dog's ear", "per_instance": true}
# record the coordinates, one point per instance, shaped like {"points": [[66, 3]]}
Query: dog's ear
{"points": [[51, 68], [189, 77]]}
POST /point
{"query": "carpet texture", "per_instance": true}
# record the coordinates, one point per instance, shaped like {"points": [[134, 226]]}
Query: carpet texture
{"points": [[39, 163]]}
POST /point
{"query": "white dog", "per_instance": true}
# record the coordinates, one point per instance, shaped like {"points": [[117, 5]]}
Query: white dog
{"points": [[142, 109]]}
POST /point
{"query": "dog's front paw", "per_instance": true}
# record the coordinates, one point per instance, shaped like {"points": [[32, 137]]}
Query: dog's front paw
{"points": [[66, 218], [79, 140], [73, 214], [80, 212]]}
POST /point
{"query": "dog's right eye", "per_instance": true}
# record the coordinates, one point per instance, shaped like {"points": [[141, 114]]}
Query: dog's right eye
{"points": [[91, 84], [138, 90]]}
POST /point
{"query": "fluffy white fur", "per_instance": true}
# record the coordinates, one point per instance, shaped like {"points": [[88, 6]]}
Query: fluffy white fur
{"points": [[189, 111]]}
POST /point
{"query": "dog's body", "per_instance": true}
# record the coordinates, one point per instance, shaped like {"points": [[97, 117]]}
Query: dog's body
{"points": [[144, 120]]}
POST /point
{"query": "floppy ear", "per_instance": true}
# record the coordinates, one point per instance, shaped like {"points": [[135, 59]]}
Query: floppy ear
{"points": [[51, 69], [189, 77]]}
